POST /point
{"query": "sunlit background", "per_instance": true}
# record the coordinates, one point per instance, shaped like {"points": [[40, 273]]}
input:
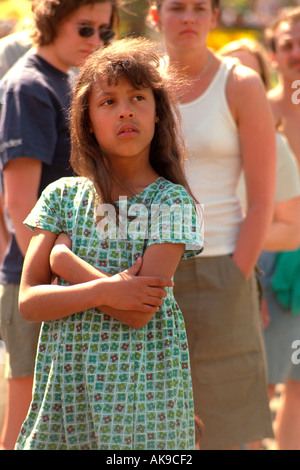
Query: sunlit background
{"points": [[237, 18]]}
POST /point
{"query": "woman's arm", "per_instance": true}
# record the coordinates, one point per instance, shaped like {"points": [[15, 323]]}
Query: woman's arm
{"points": [[284, 232], [41, 301], [252, 113]]}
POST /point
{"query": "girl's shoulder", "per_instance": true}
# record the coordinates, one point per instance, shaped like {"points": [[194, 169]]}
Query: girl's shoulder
{"points": [[166, 190], [70, 185]]}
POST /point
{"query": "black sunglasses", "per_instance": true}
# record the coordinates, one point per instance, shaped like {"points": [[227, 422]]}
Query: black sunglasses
{"points": [[105, 34]]}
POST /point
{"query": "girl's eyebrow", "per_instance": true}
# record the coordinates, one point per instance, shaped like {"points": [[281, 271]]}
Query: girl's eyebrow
{"points": [[110, 88], [108, 92]]}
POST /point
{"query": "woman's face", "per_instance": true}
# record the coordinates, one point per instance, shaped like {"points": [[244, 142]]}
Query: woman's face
{"points": [[186, 24]]}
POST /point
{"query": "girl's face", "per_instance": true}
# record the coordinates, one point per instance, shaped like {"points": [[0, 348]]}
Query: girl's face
{"points": [[70, 49], [122, 119], [185, 24]]}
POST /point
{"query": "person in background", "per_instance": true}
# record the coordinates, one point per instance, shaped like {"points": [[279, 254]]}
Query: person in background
{"points": [[12, 47], [217, 291], [282, 39], [120, 376], [35, 150], [281, 326]]}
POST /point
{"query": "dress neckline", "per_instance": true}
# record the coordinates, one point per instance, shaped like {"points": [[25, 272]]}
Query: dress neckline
{"points": [[158, 180]]}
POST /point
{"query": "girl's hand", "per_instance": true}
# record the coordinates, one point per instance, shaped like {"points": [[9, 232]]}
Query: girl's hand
{"points": [[127, 291], [141, 296]]}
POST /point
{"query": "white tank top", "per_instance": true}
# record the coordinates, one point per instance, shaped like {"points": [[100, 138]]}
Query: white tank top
{"points": [[214, 162]]}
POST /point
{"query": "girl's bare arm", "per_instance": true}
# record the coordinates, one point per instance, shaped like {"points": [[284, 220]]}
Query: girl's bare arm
{"points": [[158, 261], [40, 300]]}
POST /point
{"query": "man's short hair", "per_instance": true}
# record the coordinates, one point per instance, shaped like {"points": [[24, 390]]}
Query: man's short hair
{"points": [[47, 14], [286, 15]]}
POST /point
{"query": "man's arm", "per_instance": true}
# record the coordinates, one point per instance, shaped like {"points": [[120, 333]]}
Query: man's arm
{"points": [[21, 180], [4, 235]]}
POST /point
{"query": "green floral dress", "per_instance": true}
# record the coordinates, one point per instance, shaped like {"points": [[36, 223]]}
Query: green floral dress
{"points": [[100, 384]]}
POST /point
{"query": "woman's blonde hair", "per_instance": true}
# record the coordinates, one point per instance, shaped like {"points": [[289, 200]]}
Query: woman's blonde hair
{"points": [[257, 49]]}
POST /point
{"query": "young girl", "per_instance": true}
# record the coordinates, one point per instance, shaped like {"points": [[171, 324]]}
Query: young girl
{"points": [[34, 151], [115, 376]]}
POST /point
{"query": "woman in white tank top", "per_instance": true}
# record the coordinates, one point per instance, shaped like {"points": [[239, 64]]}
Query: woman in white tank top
{"points": [[227, 126]]}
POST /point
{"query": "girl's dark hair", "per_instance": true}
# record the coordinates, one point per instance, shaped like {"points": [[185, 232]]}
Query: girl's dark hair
{"points": [[47, 14], [136, 60]]}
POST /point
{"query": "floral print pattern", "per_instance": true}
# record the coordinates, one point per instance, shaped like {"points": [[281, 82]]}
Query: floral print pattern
{"points": [[100, 384]]}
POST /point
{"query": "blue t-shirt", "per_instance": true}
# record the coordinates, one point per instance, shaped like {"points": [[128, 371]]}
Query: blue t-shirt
{"points": [[34, 123]]}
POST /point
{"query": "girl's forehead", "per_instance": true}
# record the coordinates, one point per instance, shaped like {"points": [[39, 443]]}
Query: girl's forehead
{"points": [[105, 86], [108, 82]]}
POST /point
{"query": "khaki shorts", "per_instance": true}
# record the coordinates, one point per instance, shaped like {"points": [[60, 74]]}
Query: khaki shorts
{"points": [[221, 312], [20, 337]]}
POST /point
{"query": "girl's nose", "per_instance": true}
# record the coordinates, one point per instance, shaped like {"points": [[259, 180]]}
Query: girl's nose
{"points": [[126, 114]]}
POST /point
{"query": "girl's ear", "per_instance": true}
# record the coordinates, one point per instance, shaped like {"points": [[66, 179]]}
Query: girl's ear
{"points": [[91, 127], [153, 17]]}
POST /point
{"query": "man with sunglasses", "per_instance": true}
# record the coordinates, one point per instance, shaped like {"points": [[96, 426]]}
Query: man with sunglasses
{"points": [[34, 151]]}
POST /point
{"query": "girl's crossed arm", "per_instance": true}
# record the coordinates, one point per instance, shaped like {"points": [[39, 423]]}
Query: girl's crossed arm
{"points": [[159, 261], [124, 293]]}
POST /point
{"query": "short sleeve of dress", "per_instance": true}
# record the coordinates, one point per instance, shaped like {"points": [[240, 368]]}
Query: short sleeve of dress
{"points": [[176, 219], [47, 213]]}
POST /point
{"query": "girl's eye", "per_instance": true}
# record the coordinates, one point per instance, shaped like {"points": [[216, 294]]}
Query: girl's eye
{"points": [[139, 98], [107, 102]]}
